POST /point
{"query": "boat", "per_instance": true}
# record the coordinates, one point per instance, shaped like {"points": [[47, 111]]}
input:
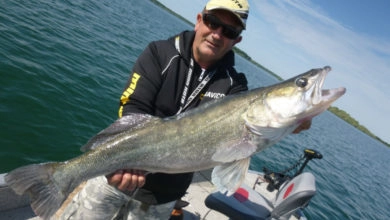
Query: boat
{"points": [[255, 199]]}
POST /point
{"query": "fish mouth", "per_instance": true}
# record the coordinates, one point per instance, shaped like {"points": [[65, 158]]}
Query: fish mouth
{"points": [[320, 98], [325, 96], [330, 95]]}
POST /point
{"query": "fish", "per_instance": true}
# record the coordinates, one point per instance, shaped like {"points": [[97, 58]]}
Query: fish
{"points": [[221, 134]]}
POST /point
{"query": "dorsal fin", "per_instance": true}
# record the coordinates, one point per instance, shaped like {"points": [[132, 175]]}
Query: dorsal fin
{"points": [[124, 123]]}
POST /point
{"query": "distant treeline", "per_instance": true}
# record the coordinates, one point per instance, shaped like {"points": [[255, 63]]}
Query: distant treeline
{"points": [[172, 12], [247, 57], [338, 112], [347, 118]]}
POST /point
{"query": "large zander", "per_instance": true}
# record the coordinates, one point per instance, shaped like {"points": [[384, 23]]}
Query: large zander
{"points": [[221, 134]]}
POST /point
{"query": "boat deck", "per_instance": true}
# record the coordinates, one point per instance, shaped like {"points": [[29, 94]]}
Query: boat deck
{"points": [[17, 207]]}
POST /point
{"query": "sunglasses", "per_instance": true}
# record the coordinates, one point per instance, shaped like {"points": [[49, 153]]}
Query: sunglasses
{"points": [[214, 23]]}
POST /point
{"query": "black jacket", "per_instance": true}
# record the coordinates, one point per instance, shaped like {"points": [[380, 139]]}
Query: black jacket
{"points": [[156, 88]]}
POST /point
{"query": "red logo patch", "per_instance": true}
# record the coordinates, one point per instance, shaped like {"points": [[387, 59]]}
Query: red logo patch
{"points": [[288, 191], [241, 195]]}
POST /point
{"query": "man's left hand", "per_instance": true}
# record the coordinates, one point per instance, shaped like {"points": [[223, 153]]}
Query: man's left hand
{"points": [[304, 126]]}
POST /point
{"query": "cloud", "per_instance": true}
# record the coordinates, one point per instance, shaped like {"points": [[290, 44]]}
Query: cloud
{"points": [[302, 26], [296, 35]]}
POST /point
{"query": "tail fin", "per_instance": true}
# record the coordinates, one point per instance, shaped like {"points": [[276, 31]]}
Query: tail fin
{"points": [[37, 180]]}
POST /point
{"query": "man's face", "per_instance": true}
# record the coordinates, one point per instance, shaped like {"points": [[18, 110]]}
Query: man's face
{"points": [[210, 43]]}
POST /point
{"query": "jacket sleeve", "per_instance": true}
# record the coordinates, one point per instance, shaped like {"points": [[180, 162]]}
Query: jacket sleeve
{"points": [[143, 85]]}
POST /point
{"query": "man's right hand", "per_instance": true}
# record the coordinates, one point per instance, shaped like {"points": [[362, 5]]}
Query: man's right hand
{"points": [[127, 180]]}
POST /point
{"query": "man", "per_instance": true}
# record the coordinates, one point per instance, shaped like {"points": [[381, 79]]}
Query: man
{"points": [[170, 77], [178, 74]]}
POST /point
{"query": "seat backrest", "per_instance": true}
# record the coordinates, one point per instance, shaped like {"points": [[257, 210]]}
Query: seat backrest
{"points": [[294, 194]]}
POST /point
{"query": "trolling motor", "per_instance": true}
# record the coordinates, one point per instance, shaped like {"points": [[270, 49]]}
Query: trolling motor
{"points": [[276, 179], [293, 194]]}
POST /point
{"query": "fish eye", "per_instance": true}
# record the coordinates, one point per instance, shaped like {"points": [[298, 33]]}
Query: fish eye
{"points": [[301, 82]]}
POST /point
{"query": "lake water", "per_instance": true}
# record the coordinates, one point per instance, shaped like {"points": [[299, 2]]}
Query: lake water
{"points": [[63, 65]]}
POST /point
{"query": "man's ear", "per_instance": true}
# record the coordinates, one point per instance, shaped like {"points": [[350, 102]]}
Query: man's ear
{"points": [[198, 21], [238, 40]]}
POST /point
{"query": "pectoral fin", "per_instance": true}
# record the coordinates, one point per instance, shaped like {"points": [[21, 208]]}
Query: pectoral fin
{"points": [[229, 176], [236, 149], [268, 133]]}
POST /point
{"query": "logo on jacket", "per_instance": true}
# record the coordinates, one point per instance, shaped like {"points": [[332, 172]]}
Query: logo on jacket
{"points": [[213, 95]]}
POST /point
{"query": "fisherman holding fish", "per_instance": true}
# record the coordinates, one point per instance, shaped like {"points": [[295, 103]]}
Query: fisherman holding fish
{"points": [[169, 77], [178, 74]]}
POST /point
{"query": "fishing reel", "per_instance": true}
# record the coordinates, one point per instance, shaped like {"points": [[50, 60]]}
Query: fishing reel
{"points": [[276, 179]]}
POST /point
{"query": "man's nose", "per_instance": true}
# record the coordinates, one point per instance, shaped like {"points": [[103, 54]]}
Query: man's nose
{"points": [[217, 33]]}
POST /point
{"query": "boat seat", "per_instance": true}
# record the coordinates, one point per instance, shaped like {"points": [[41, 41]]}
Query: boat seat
{"points": [[245, 203]]}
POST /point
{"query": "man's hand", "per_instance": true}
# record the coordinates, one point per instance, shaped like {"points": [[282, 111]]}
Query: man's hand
{"points": [[127, 180], [304, 126]]}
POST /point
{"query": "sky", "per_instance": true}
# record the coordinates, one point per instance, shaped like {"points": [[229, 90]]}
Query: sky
{"points": [[290, 37]]}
